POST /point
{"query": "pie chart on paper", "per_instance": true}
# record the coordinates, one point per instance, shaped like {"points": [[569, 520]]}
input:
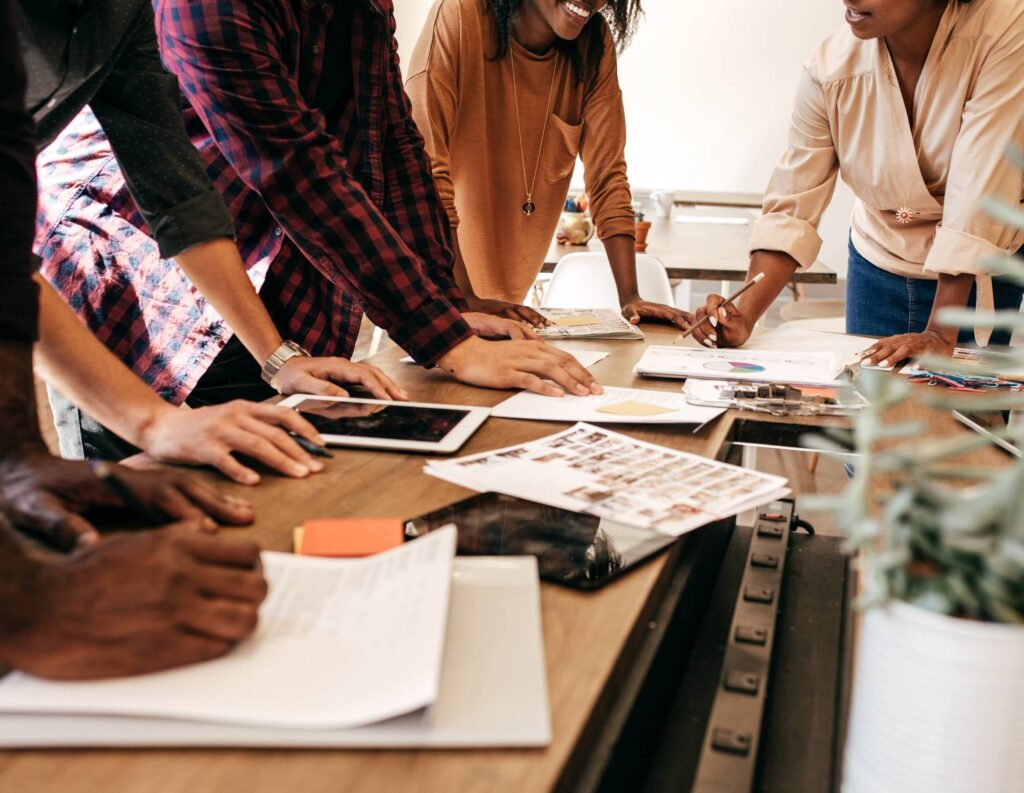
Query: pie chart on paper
{"points": [[734, 367]]}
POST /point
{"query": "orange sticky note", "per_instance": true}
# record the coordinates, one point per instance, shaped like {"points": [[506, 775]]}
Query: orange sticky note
{"points": [[348, 537]]}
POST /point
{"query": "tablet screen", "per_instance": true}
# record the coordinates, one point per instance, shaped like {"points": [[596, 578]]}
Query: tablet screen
{"points": [[392, 421], [571, 548]]}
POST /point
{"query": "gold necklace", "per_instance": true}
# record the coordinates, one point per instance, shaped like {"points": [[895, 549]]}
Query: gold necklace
{"points": [[528, 206], [904, 214]]}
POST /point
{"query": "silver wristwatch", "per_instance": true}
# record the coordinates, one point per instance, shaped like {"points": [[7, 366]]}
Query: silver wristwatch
{"points": [[285, 352]]}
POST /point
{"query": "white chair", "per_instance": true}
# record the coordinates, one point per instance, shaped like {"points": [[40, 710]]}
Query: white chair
{"points": [[584, 280]]}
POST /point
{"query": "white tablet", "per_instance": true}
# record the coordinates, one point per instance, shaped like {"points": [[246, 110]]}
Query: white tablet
{"points": [[378, 424]]}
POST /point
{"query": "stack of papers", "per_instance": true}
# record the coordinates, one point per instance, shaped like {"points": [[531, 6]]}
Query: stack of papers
{"points": [[587, 323], [614, 406], [598, 472], [745, 364], [391, 650]]}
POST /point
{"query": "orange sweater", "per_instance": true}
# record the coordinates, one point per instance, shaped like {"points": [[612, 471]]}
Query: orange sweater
{"points": [[464, 104]]}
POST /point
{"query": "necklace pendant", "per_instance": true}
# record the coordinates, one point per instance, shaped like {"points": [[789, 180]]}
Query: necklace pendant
{"points": [[529, 208], [904, 215]]}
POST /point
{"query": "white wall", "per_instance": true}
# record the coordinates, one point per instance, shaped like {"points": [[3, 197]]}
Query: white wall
{"points": [[708, 87]]}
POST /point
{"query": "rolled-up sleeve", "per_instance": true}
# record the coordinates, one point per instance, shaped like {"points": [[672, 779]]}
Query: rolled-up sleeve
{"points": [[968, 237], [19, 295], [139, 109], [803, 182], [603, 150]]}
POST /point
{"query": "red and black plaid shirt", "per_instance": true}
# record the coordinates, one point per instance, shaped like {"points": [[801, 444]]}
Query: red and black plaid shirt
{"points": [[346, 213]]}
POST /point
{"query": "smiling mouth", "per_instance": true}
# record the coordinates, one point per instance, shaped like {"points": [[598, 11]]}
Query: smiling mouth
{"points": [[853, 16], [576, 12]]}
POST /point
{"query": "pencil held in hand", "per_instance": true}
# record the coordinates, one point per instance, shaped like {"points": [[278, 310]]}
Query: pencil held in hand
{"points": [[756, 279]]}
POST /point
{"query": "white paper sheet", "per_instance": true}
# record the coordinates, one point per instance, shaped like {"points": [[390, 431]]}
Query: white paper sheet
{"points": [[599, 472], [341, 643], [753, 366], [535, 407]]}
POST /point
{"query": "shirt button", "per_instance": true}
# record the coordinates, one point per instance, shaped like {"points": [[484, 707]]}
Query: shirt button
{"points": [[315, 49], [278, 232]]}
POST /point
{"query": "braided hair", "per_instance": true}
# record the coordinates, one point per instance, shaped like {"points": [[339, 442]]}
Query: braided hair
{"points": [[585, 53]]}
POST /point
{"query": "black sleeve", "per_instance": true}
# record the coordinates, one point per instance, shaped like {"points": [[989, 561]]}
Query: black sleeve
{"points": [[19, 295], [139, 109]]}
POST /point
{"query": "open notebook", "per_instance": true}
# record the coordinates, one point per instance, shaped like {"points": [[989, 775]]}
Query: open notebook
{"points": [[383, 657]]}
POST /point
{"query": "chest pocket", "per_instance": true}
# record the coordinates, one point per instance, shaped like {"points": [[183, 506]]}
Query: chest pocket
{"points": [[561, 147]]}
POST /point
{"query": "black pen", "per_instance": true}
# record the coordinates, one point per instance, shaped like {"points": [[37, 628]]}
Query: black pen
{"points": [[315, 449], [150, 514]]}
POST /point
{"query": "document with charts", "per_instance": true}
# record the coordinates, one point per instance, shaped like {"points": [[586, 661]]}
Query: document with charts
{"points": [[587, 323], [752, 366], [598, 472]]}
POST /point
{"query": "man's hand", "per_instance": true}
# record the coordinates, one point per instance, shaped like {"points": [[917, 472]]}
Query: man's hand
{"points": [[514, 311], [321, 376], [491, 327], [894, 349], [209, 435], [636, 308], [47, 495], [136, 603], [518, 364], [727, 326]]}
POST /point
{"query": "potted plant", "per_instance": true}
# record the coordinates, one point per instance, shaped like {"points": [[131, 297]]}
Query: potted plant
{"points": [[938, 694], [642, 227]]}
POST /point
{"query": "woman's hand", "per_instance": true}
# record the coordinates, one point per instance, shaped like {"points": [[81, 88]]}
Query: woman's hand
{"points": [[210, 435], [727, 326], [506, 310], [894, 349], [322, 376], [490, 326], [636, 308]]}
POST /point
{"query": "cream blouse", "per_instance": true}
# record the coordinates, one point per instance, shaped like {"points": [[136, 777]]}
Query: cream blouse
{"points": [[850, 118]]}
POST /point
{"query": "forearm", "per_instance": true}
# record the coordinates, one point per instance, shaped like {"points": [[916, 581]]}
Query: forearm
{"points": [[19, 423], [952, 291], [621, 250], [218, 273], [778, 269], [83, 369]]}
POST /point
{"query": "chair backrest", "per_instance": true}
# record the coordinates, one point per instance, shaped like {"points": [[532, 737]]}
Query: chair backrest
{"points": [[584, 280]]}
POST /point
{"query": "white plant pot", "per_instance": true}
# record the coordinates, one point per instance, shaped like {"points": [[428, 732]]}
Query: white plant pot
{"points": [[938, 705]]}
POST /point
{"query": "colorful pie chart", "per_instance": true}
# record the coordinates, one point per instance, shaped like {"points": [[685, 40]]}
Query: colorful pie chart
{"points": [[734, 367]]}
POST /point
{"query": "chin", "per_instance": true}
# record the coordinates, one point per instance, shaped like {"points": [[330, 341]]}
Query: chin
{"points": [[567, 31], [864, 35]]}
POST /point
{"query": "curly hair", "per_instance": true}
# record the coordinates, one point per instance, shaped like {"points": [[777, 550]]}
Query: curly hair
{"points": [[584, 53]]}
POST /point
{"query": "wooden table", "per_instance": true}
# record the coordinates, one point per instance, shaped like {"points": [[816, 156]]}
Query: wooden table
{"points": [[697, 251], [590, 639]]}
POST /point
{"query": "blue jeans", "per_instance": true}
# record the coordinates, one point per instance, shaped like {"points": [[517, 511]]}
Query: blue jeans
{"points": [[879, 303]]}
